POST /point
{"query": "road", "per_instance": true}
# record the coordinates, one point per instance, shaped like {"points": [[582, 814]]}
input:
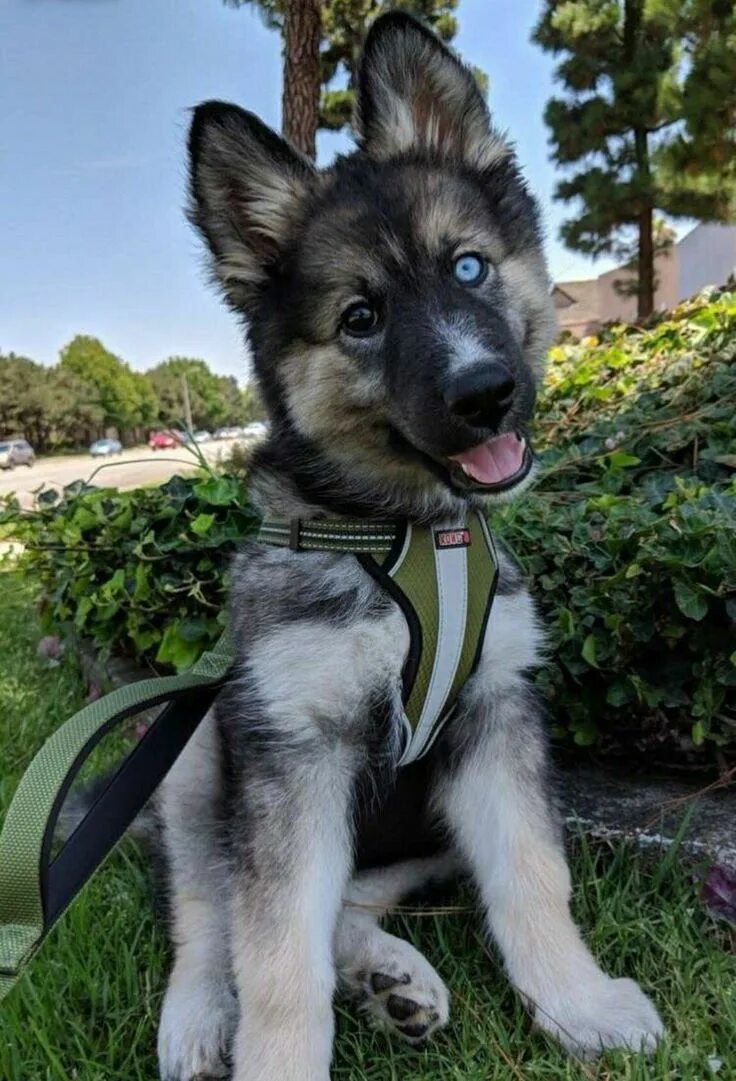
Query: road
{"points": [[127, 470]]}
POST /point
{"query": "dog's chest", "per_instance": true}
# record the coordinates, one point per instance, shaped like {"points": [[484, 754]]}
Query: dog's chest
{"points": [[412, 634]]}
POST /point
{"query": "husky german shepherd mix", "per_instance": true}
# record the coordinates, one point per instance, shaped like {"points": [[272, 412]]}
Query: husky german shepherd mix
{"points": [[398, 311]]}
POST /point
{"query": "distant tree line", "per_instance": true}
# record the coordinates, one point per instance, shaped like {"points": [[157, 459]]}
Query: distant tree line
{"points": [[91, 393]]}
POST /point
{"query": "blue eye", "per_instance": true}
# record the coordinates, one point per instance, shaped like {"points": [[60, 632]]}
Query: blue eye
{"points": [[470, 269]]}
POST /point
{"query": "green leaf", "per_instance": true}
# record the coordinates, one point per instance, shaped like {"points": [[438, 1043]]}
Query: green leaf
{"points": [[618, 694], [691, 602], [84, 607], [142, 589], [698, 733], [589, 650], [144, 640], [585, 736], [219, 491], [176, 650], [192, 630], [202, 524], [621, 460], [114, 585], [566, 621]]}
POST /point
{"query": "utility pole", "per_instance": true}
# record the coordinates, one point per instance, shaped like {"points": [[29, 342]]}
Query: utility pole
{"points": [[187, 406]]}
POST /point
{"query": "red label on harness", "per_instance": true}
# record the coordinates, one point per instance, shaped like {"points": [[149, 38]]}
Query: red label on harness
{"points": [[452, 538]]}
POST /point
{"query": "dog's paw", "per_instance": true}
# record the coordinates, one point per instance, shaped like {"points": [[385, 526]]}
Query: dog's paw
{"points": [[400, 990], [195, 1032], [611, 1013]]}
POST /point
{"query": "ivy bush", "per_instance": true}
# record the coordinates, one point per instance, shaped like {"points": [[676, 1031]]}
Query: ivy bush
{"points": [[628, 539], [141, 573]]}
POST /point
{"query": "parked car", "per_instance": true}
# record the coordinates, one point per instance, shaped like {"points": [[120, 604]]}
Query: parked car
{"points": [[257, 429], [227, 433], [16, 452], [103, 448], [200, 436], [162, 441]]}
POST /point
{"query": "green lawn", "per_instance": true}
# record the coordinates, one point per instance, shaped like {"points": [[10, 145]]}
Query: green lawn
{"points": [[87, 1010]]}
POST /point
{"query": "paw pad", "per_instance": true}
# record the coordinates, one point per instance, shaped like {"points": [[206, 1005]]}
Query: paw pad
{"points": [[381, 982], [411, 1005], [400, 1008]]}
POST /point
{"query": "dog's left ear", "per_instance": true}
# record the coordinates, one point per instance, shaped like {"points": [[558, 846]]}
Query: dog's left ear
{"points": [[413, 94]]}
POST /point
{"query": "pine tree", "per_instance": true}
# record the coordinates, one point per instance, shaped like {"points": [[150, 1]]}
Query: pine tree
{"points": [[647, 122], [325, 73], [300, 25]]}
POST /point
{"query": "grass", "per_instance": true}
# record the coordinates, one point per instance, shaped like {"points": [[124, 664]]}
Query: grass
{"points": [[87, 1009]]}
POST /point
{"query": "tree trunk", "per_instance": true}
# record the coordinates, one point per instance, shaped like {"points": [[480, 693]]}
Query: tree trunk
{"points": [[302, 82], [633, 10], [645, 268], [646, 264]]}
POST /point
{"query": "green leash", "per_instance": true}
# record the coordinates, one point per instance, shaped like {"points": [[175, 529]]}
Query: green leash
{"points": [[34, 889], [443, 577]]}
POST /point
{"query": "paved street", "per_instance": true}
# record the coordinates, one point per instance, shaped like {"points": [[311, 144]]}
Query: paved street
{"points": [[127, 470]]}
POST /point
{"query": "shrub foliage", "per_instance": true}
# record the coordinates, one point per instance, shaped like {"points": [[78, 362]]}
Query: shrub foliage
{"points": [[141, 573], [628, 538]]}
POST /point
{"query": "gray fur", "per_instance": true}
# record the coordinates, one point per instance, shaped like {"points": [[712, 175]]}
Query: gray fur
{"points": [[275, 894]]}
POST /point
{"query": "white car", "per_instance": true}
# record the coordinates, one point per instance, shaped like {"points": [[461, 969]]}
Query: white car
{"points": [[15, 452], [257, 429]]}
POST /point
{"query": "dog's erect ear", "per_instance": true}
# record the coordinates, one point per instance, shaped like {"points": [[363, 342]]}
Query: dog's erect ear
{"points": [[246, 188], [414, 94]]}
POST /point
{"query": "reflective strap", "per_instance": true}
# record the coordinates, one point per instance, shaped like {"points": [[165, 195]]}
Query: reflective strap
{"points": [[329, 534], [33, 890], [451, 576]]}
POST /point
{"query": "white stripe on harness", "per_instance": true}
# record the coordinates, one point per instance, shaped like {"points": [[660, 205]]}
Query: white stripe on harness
{"points": [[451, 568]]}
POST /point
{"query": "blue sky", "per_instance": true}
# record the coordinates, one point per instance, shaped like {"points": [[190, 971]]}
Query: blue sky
{"points": [[93, 115]]}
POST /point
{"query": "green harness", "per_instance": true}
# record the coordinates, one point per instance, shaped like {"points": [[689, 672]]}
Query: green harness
{"points": [[444, 579]]}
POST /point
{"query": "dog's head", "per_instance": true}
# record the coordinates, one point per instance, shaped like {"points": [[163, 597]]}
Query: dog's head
{"points": [[397, 304]]}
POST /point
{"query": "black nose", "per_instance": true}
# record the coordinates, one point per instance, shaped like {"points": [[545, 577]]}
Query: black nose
{"points": [[480, 396]]}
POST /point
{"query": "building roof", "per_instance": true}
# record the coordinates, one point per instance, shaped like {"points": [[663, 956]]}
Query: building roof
{"points": [[576, 301]]}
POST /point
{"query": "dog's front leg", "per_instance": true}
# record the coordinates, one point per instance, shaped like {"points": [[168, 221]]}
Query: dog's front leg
{"points": [[288, 891], [498, 808]]}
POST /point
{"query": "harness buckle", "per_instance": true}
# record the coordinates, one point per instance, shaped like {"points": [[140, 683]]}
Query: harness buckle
{"points": [[294, 530]]}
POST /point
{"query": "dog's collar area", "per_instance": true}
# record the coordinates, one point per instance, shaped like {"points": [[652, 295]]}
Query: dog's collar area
{"points": [[330, 534]]}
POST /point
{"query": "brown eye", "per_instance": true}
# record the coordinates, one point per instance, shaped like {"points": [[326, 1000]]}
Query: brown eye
{"points": [[360, 320]]}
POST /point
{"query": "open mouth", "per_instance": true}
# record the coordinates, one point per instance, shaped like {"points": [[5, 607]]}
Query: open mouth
{"points": [[496, 465]]}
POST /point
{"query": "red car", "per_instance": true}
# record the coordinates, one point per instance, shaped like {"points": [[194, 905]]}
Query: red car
{"points": [[162, 441]]}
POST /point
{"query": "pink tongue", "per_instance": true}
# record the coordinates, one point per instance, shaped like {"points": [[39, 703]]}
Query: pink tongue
{"points": [[494, 461]]}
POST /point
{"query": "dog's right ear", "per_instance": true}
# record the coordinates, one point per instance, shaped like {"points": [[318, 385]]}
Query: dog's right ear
{"points": [[246, 188]]}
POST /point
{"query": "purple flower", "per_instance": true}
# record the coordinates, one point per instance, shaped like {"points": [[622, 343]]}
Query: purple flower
{"points": [[719, 892], [50, 647], [93, 692]]}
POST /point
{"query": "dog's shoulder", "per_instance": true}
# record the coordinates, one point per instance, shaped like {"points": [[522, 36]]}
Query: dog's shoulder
{"points": [[514, 640], [271, 586], [317, 637]]}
